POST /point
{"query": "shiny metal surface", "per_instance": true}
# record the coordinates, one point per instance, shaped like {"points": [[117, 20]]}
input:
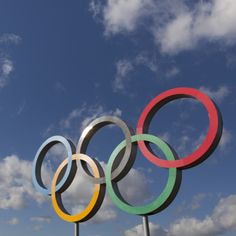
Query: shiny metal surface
{"points": [[124, 161]]}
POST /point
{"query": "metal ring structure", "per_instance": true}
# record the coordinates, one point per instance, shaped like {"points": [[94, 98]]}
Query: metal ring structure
{"points": [[204, 150], [97, 198], [38, 161], [123, 158], [167, 195], [124, 162]]}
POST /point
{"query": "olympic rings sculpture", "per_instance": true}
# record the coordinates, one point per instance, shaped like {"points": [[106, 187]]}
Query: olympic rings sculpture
{"points": [[123, 158]]}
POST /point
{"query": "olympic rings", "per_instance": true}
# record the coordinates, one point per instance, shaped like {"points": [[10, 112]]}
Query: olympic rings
{"points": [[123, 164], [167, 195], [38, 161], [204, 150], [94, 204], [123, 157]]}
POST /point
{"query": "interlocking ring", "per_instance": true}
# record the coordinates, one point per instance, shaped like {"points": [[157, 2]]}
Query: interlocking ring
{"points": [[204, 150], [38, 161], [123, 157], [167, 195], [97, 198], [123, 163]]}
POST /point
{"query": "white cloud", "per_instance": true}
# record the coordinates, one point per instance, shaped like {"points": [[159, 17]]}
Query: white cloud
{"points": [[57, 152], [143, 59], [124, 15], [13, 221], [219, 94], [38, 227], [41, 219], [184, 143], [106, 212], [6, 65], [60, 87], [175, 25], [194, 227], [210, 21], [230, 60], [177, 35], [6, 68], [21, 108], [10, 38], [94, 113], [16, 183], [95, 7], [76, 113], [123, 68], [138, 230], [173, 72], [136, 183], [86, 114], [225, 139], [196, 202], [48, 131], [165, 136], [224, 215], [222, 220]]}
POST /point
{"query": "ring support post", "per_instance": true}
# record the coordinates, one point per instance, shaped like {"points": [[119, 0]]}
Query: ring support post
{"points": [[77, 229], [146, 226]]}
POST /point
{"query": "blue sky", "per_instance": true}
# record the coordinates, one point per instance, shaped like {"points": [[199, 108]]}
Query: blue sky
{"points": [[64, 63]]}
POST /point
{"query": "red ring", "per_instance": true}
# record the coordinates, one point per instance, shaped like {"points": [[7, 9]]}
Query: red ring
{"points": [[210, 142]]}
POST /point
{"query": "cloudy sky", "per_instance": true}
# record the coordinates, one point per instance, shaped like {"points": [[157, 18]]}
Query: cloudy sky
{"points": [[64, 63]]}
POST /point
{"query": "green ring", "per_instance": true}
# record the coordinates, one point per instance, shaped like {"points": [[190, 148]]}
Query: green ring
{"points": [[167, 194]]}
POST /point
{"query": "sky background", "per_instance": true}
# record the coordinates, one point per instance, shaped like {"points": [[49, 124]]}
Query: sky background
{"points": [[65, 63]]}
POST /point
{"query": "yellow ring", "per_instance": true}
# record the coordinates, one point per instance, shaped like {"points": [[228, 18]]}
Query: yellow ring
{"points": [[94, 204]]}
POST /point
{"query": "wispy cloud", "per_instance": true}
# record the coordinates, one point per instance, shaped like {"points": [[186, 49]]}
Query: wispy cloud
{"points": [[124, 67], [230, 60], [6, 68], [85, 114], [95, 7], [226, 139], [21, 108], [195, 203], [173, 72], [60, 87], [10, 38], [6, 64], [76, 121], [39, 222], [13, 221], [217, 94], [41, 219], [37, 227]]}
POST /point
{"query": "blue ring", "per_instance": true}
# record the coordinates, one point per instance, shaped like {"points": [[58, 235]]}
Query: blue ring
{"points": [[38, 160]]}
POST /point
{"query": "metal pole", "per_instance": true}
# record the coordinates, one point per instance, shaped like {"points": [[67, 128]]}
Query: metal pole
{"points": [[146, 226], [76, 229]]}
